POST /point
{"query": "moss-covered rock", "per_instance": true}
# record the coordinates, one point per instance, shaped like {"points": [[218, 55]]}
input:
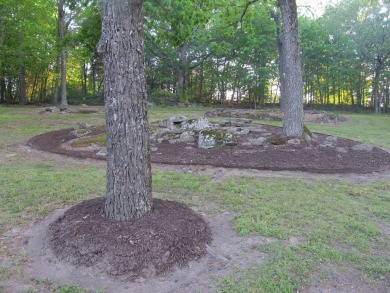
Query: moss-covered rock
{"points": [[215, 138]]}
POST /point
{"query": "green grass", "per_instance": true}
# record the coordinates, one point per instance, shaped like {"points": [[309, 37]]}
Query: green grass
{"points": [[338, 223], [334, 219]]}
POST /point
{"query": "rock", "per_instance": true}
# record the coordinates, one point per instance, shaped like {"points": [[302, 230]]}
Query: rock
{"points": [[187, 136], [326, 144], [177, 120], [102, 152], [294, 141], [363, 147], [81, 132], [239, 122], [307, 137], [197, 124], [215, 138], [257, 141], [63, 108], [341, 150], [255, 129], [53, 109], [238, 130], [331, 138], [161, 135], [266, 134]]}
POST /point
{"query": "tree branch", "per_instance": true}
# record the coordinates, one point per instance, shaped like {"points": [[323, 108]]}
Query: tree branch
{"points": [[246, 9]]}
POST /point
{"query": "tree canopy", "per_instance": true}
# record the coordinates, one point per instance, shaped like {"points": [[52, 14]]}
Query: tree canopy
{"points": [[200, 52]]}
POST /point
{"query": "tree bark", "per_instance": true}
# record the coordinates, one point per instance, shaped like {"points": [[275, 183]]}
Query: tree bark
{"points": [[292, 87], [181, 71], [129, 193], [61, 36], [22, 85], [375, 85]]}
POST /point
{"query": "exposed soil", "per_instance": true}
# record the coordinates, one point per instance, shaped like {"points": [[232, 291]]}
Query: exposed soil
{"points": [[171, 235], [322, 154]]}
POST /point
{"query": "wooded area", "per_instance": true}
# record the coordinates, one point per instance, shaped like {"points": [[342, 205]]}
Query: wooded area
{"points": [[198, 52]]}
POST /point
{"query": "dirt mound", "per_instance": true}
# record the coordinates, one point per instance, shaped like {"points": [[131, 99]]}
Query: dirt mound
{"points": [[171, 235], [255, 150]]}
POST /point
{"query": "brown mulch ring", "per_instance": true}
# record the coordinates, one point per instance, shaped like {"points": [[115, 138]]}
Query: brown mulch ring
{"points": [[172, 234], [321, 154]]}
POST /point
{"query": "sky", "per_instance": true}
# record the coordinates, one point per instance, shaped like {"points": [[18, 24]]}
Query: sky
{"points": [[313, 8]]}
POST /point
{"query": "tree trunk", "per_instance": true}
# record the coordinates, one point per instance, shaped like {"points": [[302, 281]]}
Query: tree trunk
{"points": [[279, 41], [61, 36], [292, 87], [375, 85], [22, 85], [2, 90], [56, 80], [129, 193], [181, 73]]}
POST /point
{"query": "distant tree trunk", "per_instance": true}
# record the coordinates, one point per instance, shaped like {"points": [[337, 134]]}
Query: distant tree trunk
{"points": [[56, 80], [387, 97], [85, 79], [2, 90], [180, 71], [129, 193], [61, 35], [375, 85], [279, 41], [22, 85], [293, 113]]}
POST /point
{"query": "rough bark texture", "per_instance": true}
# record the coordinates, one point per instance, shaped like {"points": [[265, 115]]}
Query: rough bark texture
{"points": [[61, 36], [128, 160], [292, 87]]}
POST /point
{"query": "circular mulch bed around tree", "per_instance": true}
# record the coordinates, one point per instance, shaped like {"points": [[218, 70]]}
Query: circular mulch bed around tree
{"points": [[320, 155], [172, 234]]}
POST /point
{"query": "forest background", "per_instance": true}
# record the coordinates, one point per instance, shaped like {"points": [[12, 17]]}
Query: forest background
{"points": [[208, 52]]}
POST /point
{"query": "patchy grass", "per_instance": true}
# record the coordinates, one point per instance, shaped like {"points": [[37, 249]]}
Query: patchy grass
{"points": [[337, 223], [368, 128], [99, 140]]}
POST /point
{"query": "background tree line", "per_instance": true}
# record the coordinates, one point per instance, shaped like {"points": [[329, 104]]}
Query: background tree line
{"points": [[197, 51]]}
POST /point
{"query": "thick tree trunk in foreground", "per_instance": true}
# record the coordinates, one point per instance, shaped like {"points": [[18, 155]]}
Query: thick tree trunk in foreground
{"points": [[292, 87], [129, 193]]}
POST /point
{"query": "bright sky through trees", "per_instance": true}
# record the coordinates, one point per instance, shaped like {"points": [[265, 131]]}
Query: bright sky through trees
{"points": [[313, 8]]}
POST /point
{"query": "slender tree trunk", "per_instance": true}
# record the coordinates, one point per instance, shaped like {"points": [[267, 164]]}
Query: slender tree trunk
{"points": [[56, 80], [281, 65], [22, 85], [61, 35], [293, 113], [9, 95], [129, 193], [3, 90], [375, 85]]}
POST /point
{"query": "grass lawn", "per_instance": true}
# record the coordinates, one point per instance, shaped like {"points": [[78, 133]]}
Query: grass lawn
{"points": [[338, 223]]}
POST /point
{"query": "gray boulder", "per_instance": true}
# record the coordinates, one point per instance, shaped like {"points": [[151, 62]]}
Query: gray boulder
{"points": [[215, 138]]}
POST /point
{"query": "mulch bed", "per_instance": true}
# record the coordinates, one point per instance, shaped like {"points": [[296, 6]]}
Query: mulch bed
{"points": [[172, 234], [309, 156]]}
